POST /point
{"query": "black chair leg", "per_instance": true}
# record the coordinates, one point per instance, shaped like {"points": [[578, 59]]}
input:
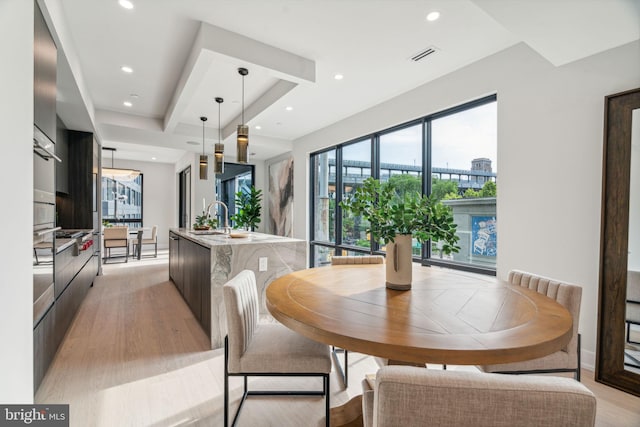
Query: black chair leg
{"points": [[327, 406], [226, 382], [579, 358]]}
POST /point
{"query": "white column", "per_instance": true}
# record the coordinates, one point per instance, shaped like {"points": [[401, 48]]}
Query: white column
{"points": [[16, 175]]}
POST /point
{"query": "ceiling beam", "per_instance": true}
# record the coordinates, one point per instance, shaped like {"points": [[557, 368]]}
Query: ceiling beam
{"points": [[213, 43]]}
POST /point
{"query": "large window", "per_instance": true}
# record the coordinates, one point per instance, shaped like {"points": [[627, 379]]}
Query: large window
{"points": [[456, 150], [122, 200]]}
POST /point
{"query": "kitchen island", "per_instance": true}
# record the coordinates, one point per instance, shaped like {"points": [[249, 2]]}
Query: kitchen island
{"points": [[200, 263]]}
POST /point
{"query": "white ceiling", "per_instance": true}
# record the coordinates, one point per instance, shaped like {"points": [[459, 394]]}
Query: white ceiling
{"points": [[185, 53]]}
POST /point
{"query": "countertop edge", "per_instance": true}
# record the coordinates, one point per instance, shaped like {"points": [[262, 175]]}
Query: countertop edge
{"points": [[214, 240]]}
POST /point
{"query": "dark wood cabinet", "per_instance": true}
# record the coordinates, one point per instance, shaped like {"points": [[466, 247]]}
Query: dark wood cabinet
{"points": [[62, 151], [190, 271], [75, 272], [76, 208], [175, 263], [192, 289], [45, 345]]}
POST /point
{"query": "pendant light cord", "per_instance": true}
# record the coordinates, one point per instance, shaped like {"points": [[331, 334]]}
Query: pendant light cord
{"points": [[243, 100], [203, 137], [220, 130]]}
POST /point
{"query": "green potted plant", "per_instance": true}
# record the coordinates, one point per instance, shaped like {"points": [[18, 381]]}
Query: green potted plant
{"points": [[248, 208], [205, 222], [394, 218]]}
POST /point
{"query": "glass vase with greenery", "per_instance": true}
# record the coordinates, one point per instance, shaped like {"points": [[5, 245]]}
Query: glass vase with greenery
{"points": [[248, 208]]}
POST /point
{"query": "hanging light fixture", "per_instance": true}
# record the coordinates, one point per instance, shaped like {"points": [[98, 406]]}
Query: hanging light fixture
{"points": [[243, 129], [218, 155], [119, 174], [203, 158]]}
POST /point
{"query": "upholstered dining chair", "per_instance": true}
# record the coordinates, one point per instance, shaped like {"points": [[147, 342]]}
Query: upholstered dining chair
{"points": [[266, 349], [153, 240], [350, 260], [116, 237], [567, 360], [416, 397]]}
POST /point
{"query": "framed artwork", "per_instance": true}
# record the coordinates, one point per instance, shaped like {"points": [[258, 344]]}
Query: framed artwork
{"points": [[281, 198]]}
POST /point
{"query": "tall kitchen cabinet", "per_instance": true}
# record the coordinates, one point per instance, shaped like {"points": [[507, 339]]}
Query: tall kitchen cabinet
{"points": [[77, 181]]}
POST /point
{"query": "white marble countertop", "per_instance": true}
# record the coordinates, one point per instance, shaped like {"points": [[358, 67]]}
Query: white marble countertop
{"points": [[236, 237]]}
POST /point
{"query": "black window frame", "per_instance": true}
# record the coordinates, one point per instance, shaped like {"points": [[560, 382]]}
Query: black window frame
{"points": [[374, 137]]}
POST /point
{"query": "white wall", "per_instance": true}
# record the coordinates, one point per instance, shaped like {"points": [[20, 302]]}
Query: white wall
{"points": [[550, 123], [159, 196], [16, 135]]}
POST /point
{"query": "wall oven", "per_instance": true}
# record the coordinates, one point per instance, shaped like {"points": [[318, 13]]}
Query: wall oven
{"points": [[44, 218]]}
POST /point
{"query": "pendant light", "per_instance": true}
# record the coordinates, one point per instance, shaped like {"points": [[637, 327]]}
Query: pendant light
{"points": [[119, 174], [203, 158], [243, 129], [218, 155]]}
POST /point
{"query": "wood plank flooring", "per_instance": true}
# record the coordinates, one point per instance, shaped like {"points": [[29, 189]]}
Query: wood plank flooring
{"points": [[136, 356]]}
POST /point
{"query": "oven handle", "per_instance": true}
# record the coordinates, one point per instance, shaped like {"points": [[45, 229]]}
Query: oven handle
{"points": [[46, 231], [41, 142]]}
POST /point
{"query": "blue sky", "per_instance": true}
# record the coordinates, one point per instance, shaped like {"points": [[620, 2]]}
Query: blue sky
{"points": [[457, 139]]}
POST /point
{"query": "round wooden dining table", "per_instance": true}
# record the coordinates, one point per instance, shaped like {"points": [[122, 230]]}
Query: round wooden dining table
{"points": [[448, 317]]}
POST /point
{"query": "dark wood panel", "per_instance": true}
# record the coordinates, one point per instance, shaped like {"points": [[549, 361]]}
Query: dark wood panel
{"points": [[190, 271], [192, 289], [62, 151], [202, 279], [175, 270], [614, 242], [45, 344]]}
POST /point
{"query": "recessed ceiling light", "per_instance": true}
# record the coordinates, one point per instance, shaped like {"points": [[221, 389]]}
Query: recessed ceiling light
{"points": [[126, 4], [134, 96], [258, 127], [278, 123], [193, 143], [126, 69], [153, 158], [127, 104], [289, 108], [338, 76], [433, 16]]}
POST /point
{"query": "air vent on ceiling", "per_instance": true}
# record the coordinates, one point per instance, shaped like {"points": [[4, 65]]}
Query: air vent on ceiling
{"points": [[424, 53]]}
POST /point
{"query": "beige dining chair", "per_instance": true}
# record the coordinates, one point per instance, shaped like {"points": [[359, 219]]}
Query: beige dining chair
{"points": [[567, 360], [266, 349], [153, 240], [417, 397], [116, 237], [343, 369]]}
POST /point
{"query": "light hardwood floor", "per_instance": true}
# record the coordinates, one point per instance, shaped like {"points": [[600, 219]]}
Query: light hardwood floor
{"points": [[135, 356]]}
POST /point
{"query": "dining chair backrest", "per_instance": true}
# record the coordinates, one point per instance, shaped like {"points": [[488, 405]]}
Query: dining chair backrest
{"points": [[116, 233], [349, 260], [241, 303], [567, 295], [154, 232], [415, 397]]}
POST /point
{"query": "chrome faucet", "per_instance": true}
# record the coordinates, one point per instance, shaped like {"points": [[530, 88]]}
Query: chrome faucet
{"points": [[226, 229]]}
